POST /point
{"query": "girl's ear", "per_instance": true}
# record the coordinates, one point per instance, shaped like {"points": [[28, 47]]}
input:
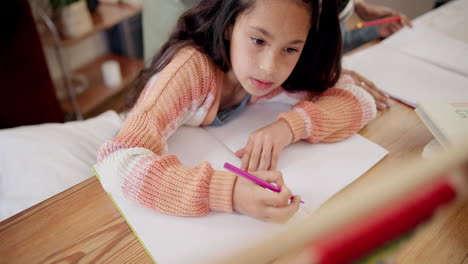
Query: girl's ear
{"points": [[228, 32]]}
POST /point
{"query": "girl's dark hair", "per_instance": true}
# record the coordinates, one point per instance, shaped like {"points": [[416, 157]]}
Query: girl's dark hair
{"points": [[204, 27]]}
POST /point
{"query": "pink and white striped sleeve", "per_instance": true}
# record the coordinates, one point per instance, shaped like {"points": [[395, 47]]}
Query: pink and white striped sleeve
{"points": [[339, 112]]}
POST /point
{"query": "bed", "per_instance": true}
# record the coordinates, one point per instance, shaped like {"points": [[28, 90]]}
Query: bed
{"points": [[40, 161]]}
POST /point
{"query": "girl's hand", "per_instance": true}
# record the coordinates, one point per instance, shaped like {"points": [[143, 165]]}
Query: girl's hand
{"points": [[264, 146], [382, 99], [258, 202]]}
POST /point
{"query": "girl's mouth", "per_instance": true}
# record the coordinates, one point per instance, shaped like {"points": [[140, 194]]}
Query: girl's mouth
{"points": [[261, 84]]}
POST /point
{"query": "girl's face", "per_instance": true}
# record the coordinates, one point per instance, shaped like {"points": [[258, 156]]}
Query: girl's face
{"points": [[266, 43]]}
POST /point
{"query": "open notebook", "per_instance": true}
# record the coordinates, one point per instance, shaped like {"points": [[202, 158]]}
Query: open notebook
{"points": [[431, 46], [304, 165], [315, 171], [415, 65], [449, 19], [407, 78], [447, 120]]}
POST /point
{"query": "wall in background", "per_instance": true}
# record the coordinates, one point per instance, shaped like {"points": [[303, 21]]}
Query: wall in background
{"points": [[411, 8]]}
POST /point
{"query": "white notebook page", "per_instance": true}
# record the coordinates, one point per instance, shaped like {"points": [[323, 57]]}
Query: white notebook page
{"points": [[315, 171]]}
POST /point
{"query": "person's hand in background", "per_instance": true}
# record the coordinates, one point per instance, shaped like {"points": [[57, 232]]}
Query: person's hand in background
{"points": [[368, 12]]}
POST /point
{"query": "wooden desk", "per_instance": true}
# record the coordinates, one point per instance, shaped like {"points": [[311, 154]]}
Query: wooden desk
{"points": [[81, 225]]}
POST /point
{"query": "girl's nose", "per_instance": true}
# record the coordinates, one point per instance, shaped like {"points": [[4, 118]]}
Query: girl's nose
{"points": [[269, 63]]}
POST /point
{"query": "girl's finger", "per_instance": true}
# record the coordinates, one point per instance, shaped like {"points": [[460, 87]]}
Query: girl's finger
{"points": [[371, 85], [379, 92], [381, 106], [382, 93], [380, 100], [280, 199], [275, 177], [240, 153], [265, 158], [381, 103], [383, 97], [275, 153], [282, 214], [255, 156], [246, 157]]}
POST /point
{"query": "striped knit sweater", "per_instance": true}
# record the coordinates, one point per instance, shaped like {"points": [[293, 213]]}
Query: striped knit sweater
{"points": [[187, 92]]}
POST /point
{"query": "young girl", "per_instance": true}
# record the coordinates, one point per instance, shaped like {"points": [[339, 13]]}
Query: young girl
{"points": [[221, 55]]}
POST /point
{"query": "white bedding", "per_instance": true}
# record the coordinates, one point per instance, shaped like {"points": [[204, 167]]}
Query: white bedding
{"points": [[39, 161]]}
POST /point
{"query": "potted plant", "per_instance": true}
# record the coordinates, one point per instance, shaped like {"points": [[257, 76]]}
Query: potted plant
{"points": [[73, 17]]}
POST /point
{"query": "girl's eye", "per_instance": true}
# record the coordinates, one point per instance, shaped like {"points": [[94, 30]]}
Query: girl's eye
{"points": [[257, 41], [290, 50]]}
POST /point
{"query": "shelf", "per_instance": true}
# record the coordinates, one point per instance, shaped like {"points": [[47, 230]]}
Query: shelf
{"points": [[97, 92], [106, 16]]}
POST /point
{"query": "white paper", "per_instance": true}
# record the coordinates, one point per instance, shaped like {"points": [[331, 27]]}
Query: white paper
{"points": [[432, 150], [304, 165], [171, 239], [315, 171], [451, 19], [407, 78], [235, 133], [432, 47]]}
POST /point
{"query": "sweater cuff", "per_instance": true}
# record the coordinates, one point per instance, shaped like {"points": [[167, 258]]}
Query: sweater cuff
{"points": [[296, 122], [221, 188]]}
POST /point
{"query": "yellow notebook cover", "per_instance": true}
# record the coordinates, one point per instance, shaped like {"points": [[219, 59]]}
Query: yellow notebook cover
{"points": [[447, 120]]}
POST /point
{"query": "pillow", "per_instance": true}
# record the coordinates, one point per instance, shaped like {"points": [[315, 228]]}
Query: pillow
{"points": [[39, 161]]}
